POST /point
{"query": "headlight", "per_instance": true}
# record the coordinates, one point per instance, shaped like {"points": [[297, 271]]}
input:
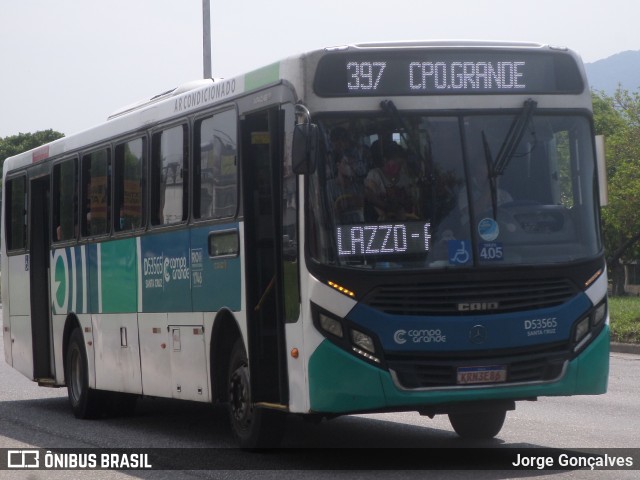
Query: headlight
{"points": [[600, 314], [341, 332], [330, 325], [582, 329]]}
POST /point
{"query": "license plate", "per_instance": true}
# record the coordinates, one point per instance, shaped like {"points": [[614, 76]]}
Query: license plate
{"points": [[486, 374]]}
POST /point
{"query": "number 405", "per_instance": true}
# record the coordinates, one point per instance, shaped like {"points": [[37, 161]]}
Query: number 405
{"points": [[491, 252]]}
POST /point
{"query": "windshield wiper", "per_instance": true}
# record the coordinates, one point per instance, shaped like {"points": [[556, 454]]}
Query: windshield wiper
{"points": [[513, 138], [492, 178], [507, 149]]}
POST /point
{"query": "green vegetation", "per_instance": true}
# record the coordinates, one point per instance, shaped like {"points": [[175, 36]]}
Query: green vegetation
{"points": [[625, 319], [22, 142]]}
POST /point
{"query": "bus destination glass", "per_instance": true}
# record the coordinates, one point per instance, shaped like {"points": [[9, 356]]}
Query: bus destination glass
{"points": [[446, 73]]}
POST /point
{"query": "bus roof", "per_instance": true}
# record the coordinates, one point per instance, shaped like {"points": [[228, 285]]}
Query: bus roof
{"points": [[203, 93]]}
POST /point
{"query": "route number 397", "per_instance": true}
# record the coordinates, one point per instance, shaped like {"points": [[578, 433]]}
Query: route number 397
{"points": [[365, 75]]}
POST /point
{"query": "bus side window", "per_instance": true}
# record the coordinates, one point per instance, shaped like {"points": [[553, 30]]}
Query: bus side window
{"points": [[169, 157], [216, 166], [128, 202], [96, 192], [16, 214], [65, 200]]}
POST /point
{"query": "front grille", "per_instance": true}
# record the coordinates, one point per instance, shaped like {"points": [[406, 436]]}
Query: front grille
{"points": [[477, 297], [537, 364]]}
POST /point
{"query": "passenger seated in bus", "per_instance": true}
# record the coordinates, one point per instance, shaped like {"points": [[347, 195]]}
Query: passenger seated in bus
{"points": [[389, 188], [346, 193], [342, 145]]}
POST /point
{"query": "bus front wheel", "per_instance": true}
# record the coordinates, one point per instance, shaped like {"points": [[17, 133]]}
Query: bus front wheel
{"points": [[478, 425], [85, 402], [253, 427]]}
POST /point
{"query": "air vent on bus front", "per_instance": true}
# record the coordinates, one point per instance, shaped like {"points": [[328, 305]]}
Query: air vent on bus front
{"points": [[461, 298]]}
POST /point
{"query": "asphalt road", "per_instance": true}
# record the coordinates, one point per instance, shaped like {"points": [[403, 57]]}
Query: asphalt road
{"points": [[36, 417]]}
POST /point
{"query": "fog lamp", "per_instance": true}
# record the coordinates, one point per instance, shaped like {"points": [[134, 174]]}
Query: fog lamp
{"points": [[330, 325], [363, 341]]}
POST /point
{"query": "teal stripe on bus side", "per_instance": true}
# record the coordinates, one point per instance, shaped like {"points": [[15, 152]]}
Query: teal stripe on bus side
{"points": [[119, 276]]}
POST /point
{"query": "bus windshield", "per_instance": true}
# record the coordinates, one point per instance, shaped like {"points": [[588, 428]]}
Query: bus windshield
{"points": [[400, 190]]}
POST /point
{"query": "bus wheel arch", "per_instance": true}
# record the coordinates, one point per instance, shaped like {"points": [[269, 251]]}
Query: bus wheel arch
{"points": [[224, 334], [85, 402], [71, 323], [253, 426]]}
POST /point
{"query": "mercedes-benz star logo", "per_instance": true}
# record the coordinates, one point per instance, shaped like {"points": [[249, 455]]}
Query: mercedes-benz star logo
{"points": [[478, 334]]}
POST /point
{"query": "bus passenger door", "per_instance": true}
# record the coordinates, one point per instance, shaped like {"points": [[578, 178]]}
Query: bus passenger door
{"points": [[263, 264], [39, 248]]}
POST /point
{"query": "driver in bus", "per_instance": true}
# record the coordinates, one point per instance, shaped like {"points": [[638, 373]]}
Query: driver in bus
{"points": [[345, 193], [388, 187]]}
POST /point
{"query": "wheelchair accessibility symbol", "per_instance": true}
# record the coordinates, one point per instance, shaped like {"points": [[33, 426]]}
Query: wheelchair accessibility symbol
{"points": [[459, 252]]}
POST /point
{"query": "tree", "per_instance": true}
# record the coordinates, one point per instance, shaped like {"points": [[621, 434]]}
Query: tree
{"points": [[22, 142], [618, 118]]}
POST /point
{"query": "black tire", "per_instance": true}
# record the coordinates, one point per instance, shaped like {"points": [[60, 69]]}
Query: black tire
{"points": [[252, 427], [85, 402], [478, 425]]}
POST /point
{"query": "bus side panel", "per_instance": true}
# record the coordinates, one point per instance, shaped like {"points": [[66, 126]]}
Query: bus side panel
{"points": [[6, 338], [19, 298], [18, 316], [188, 350], [114, 273], [155, 358], [117, 353], [21, 346]]}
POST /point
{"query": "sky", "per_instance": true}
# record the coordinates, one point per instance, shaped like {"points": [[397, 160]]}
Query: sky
{"points": [[68, 64]]}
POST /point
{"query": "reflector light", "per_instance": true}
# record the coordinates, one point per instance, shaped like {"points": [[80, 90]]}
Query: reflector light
{"points": [[341, 289], [593, 278]]}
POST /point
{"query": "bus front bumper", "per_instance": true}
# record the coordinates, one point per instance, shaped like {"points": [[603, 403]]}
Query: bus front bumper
{"points": [[341, 383]]}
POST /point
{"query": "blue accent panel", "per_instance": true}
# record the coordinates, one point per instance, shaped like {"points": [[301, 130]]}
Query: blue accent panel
{"points": [[179, 276], [166, 273], [215, 283], [451, 333]]}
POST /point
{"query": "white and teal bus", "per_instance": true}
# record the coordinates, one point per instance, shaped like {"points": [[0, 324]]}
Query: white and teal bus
{"points": [[367, 228]]}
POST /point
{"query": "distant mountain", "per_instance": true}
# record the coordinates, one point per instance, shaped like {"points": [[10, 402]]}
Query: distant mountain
{"points": [[622, 68]]}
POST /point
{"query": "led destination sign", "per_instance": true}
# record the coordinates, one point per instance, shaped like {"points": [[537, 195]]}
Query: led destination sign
{"points": [[437, 73], [393, 238]]}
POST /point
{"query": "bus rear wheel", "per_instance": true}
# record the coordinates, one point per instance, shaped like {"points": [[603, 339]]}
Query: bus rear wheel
{"points": [[253, 427], [478, 425], [85, 402]]}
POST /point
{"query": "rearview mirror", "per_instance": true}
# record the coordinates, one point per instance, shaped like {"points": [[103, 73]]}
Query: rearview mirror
{"points": [[602, 170]]}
